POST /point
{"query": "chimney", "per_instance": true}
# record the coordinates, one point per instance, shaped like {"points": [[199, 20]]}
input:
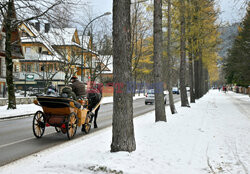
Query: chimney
{"points": [[37, 26], [47, 27]]}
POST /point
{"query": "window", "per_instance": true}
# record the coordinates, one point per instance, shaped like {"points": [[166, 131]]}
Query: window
{"points": [[27, 50], [45, 52], [55, 67], [42, 67], [50, 67], [29, 68], [23, 67], [37, 67], [24, 34], [40, 50]]}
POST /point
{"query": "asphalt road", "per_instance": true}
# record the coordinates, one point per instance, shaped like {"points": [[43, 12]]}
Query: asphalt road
{"points": [[17, 139]]}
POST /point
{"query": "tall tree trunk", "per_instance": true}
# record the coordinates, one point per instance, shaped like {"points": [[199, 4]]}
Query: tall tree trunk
{"points": [[201, 79], [196, 75], [206, 81], [8, 57], [160, 114], [122, 121], [169, 63], [190, 53], [184, 99], [191, 76]]}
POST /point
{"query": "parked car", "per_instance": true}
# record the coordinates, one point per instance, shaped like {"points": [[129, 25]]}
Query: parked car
{"points": [[175, 90], [150, 97]]}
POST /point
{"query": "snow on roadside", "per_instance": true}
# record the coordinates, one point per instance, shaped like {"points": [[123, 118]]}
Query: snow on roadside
{"points": [[210, 137], [20, 110], [32, 108]]}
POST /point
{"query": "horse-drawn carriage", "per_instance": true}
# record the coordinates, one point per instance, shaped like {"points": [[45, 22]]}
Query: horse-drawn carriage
{"points": [[65, 114]]}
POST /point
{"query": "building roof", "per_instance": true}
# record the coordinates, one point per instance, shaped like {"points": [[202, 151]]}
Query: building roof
{"points": [[38, 38], [66, 36], [63, 36]]}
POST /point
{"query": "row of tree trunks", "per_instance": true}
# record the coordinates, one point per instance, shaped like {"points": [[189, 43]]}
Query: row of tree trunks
{"points": [[206, 84], [198, 77], [191, 78], [122, 120], [201, 77]]}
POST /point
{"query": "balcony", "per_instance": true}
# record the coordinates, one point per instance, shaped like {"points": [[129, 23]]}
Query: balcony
{"points": [[40, 57]]}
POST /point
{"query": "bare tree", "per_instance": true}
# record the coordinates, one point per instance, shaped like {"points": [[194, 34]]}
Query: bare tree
{"points": [[140, 27], [122, 121], [160, 114], [69, 59], [25, 11], [99, 43]]}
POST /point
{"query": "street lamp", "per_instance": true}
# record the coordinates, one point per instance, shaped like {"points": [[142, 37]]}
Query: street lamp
{"points": [[105, 14]]}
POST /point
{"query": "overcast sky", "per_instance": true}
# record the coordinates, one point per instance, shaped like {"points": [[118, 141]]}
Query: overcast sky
{"points": [[230, 10]]}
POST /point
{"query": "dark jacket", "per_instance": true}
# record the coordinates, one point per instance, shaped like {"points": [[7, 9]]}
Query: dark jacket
{"points": [[78, 88], [69, 93]]}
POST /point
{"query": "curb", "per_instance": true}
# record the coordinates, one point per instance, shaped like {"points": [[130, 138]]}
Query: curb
{"points": [[17, 116]]}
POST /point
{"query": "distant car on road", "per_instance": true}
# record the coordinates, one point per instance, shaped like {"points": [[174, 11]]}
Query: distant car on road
{"points": [[150, 97], [175, 90]]}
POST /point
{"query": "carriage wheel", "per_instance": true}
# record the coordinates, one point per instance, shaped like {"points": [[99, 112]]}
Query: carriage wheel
{"points": [[87, 125], [38, 124], [71, 125], [58, 129]]}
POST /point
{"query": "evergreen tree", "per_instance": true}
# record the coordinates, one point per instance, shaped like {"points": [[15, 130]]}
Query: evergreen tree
{"points": [[237, 66]]}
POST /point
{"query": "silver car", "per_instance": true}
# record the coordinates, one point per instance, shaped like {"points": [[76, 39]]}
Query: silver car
{"points": [[150, 97]]}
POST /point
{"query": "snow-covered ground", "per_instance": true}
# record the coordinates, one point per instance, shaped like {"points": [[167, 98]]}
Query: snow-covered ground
{"points": [[21, 110], [210, 137], [32, 108]]}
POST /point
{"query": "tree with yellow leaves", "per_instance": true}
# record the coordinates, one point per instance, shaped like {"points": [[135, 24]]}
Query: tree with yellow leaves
{"points": [[203, 40]]}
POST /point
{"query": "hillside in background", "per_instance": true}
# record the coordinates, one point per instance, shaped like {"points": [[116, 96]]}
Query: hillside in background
{"points": [[228, 35]]}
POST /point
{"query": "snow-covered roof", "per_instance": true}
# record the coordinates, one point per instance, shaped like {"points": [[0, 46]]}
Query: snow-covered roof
{"points": [[38, 38], [62, 36], [65, 36]]}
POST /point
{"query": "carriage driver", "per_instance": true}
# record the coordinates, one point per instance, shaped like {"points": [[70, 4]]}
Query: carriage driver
{"points": [[78, 87]]}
